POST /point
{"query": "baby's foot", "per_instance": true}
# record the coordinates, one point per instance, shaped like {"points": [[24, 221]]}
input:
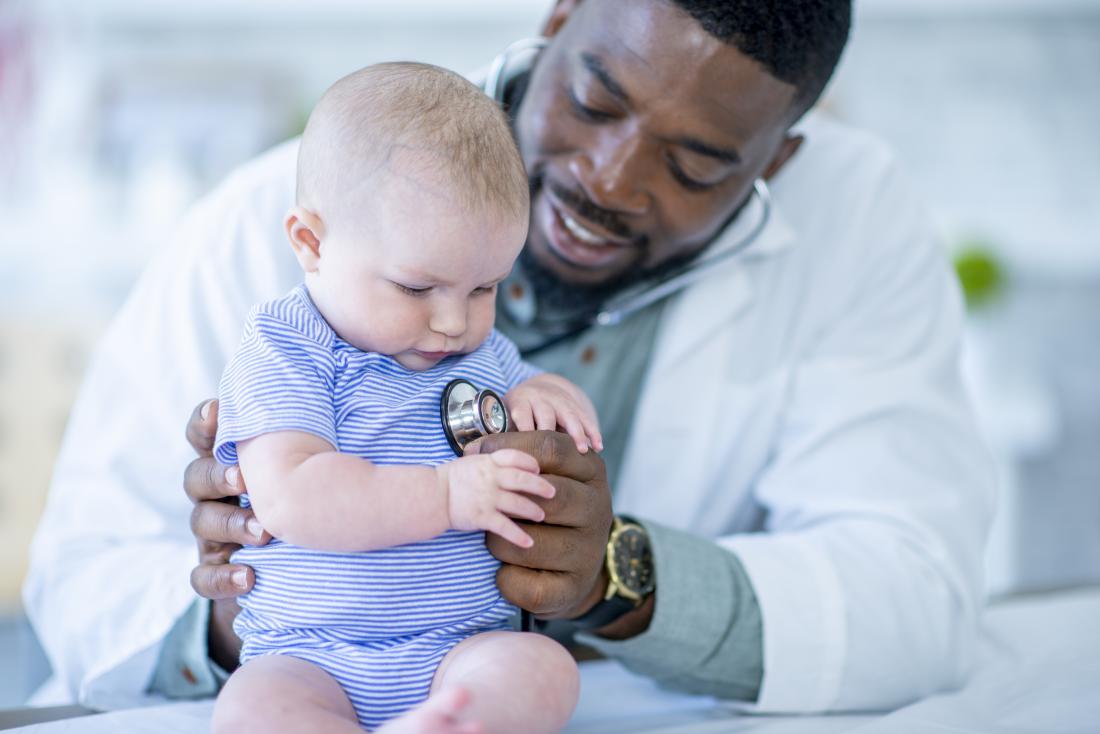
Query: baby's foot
{"points": [[438, 715]]}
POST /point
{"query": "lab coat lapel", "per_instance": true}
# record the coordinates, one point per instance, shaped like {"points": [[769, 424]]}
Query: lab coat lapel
{"points": [[692, 350], [717, 299]]}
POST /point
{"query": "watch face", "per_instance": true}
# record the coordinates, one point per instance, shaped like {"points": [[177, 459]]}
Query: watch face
{"points": [[634, 561]]}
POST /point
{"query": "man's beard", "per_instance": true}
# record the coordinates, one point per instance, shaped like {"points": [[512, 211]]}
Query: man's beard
{"points": [[581, 301], [572, 302]]}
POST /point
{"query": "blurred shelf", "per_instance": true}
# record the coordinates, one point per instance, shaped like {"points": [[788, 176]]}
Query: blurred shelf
{"points": [[163, 13], [976, 9], [321, 12]]}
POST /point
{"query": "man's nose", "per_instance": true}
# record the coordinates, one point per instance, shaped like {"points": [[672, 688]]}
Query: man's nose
{"points": [[449, 319], [613, 174]]}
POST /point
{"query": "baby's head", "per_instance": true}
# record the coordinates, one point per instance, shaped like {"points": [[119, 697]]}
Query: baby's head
{"points": [[412, 205]]}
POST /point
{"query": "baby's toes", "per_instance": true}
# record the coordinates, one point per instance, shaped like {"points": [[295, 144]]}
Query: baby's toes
{"points": [[443, 710], [438, 715]]}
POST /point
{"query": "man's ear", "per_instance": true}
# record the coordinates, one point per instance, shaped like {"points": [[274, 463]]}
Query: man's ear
{"points": [[787, 149], [305, 230], [561, 12]]}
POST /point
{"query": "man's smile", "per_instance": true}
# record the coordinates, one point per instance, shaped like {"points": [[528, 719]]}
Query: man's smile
{"points": [[575, 243]]}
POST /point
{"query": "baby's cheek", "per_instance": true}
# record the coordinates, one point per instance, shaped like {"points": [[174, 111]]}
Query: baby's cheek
{"points": [[482, 316]]}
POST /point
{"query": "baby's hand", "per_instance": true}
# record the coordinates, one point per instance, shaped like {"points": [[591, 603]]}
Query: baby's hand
{"points": [[547, 401], [483, 493]]}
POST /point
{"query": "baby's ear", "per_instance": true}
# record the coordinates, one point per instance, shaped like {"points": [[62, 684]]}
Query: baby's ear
{"points": [[305, 230]]}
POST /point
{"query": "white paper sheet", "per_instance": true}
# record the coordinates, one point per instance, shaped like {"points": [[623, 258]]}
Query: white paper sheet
{"points": [[1039, 672]]}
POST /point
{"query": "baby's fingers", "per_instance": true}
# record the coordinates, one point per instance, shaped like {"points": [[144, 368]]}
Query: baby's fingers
{"points": [[516, 505], [522, 417], [546, 418], [516, 460], [571, 422], [592, 428], [518, 480], [507, 529]]}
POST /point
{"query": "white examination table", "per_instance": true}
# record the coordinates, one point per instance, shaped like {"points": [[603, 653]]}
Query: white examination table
{"points": [[1039, 671]]}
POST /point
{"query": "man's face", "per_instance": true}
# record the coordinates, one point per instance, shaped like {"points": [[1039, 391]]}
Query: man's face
{"points": [[642, 134]]}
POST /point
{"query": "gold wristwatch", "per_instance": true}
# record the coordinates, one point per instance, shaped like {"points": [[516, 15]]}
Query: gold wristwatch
{"points": [[629, 562]]}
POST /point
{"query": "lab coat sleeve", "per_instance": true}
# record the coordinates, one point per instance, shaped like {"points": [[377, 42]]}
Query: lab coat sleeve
{"points": [[880, 491], [111, 559], [705, 636], [184, 668]]}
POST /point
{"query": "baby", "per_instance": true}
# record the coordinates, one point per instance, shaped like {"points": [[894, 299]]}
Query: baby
{"points": [[376, 603]]}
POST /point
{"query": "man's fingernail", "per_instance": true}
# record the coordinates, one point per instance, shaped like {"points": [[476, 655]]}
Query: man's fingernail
{"points": [[240, 579], [204, 411], [255, 528], [232, 477]]}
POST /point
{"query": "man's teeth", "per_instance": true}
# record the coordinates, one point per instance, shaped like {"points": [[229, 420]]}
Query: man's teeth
{"points": [[582, 233]]}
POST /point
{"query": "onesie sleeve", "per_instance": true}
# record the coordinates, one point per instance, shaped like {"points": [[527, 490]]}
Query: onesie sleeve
{"points": [[514, 369], [280, 379]]}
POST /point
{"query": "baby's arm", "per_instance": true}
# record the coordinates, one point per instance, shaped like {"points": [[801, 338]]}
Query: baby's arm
{"points": [[546, 401], [305, 492]]}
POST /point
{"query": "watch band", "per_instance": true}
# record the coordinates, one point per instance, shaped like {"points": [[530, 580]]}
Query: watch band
{"points": [[603, 613], [613, 605]]}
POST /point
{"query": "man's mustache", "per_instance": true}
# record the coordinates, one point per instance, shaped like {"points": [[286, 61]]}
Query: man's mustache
{"points": [[581, 204]]}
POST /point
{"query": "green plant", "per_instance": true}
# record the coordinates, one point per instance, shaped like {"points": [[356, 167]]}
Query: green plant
{"points": [[980, 273]]}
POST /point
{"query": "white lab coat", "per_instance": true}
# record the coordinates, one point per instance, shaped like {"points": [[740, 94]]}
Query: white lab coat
{"points": [[803, 407]]}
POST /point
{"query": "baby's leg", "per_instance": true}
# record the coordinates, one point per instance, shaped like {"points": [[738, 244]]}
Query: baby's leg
{"points": [[280, 693], [519, 681]]}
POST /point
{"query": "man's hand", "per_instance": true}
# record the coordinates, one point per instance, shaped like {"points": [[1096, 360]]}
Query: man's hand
{"points": [[220, 527], [559, 577]]}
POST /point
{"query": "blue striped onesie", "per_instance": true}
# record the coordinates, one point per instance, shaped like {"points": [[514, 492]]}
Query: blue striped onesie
{"points": [[378, 621]]}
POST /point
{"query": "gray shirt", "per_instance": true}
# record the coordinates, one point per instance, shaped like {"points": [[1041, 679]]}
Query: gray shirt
{"points": [[706, 633]]}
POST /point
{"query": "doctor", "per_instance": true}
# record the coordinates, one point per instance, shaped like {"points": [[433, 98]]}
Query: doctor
{"points": [[792, 484]]}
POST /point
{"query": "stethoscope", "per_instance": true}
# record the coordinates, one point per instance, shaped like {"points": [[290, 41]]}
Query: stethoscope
{"points": [[468, 413], [505, 67]]}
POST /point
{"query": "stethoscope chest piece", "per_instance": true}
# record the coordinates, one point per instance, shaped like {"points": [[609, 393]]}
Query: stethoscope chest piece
{"points": [[468, 413]]}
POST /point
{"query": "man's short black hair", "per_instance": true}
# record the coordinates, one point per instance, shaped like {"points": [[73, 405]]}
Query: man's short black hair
{"points": [[798, 41]]}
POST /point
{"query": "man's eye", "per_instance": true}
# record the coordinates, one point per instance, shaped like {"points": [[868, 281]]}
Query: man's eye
{"points": [[413, 291], [585, 112], [483, 290], [685, 180]]}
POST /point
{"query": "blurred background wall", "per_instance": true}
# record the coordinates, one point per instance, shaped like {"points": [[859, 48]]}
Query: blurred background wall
{"points": [[115, 115]]}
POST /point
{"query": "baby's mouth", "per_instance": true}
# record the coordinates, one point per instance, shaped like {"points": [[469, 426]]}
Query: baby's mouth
{"points": [[437, 356]]}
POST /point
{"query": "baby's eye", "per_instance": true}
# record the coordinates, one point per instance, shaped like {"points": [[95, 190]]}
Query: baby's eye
{"points": [[410, 291], [482, 290]]}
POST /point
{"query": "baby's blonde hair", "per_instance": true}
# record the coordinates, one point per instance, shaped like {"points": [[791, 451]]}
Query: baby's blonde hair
{"points": [[431, 117]]}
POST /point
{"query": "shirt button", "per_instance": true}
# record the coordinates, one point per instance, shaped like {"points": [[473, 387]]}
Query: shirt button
{"points": [[588, 356], [516, 292], [188, 675]]}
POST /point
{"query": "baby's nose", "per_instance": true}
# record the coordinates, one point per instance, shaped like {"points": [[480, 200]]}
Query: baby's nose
{"points": [[449, 321]]}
